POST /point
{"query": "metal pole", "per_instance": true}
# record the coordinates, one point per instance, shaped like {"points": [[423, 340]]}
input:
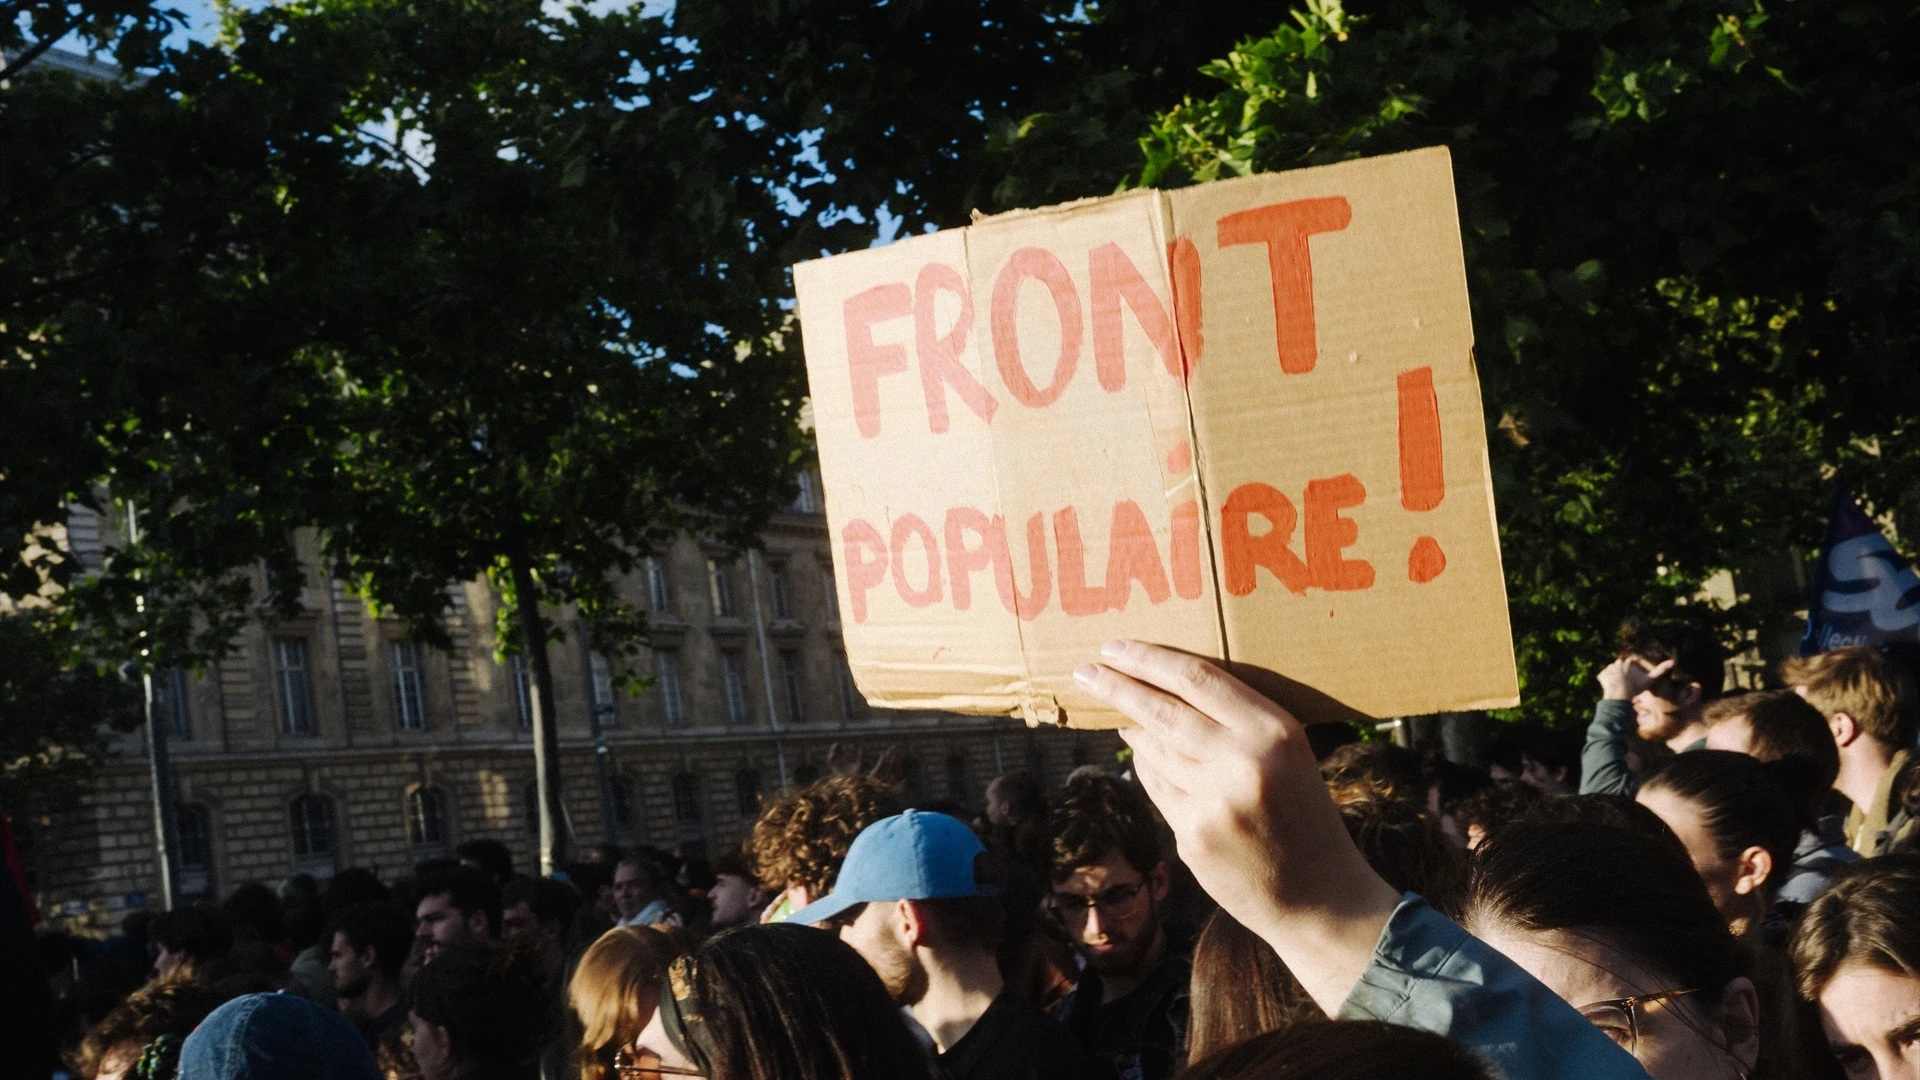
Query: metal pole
{"points": [[596, 725], [766, 665], [159, 766]]}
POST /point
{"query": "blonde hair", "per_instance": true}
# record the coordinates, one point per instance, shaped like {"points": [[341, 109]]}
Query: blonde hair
{"points": [[1858, 680], [616, 978]]}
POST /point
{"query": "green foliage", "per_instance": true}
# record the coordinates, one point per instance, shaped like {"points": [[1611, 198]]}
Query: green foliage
{"points": [[53, 698], [1690, 243]]}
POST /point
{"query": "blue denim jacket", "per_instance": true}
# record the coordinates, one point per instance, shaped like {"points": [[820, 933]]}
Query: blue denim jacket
{"points": [[1430, 974]]}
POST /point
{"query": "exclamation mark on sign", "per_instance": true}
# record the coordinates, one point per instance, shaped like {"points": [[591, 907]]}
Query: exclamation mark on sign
{"points": [[1423, 482]]}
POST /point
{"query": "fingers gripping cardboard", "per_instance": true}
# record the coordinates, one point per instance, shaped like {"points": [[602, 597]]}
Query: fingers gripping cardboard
{"points": [[1240, 419]]}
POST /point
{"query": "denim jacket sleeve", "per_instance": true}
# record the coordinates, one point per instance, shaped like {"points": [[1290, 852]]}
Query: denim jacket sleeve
{"points": [[1430, 974], [1603, 761]]}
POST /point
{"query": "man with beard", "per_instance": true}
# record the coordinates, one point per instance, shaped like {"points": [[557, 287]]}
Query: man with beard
{"points": [[910, 900], [1657, 688], [368, 944], [462, 904], [1110, 884]]}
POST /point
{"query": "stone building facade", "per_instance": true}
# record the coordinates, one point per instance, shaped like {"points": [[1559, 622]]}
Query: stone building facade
{"points": [[329, 740]]}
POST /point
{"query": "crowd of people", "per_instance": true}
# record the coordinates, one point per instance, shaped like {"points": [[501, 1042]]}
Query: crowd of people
{"points": [[1706, 886]]}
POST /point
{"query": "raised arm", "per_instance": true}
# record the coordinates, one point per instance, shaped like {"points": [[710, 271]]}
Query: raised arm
{"points": [[1232, 773]]}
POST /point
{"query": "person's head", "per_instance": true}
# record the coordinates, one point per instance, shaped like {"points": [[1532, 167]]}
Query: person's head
{"points": [[1448, 785], [1109, 878], [1856, 954], [460, 904], [1739, 825], [1477, 814], [355, 884], [478, 1002], [489, 855], [1240, 988], [1601, 903], [736, 895], [1346, 1050], [255, 912], [367, 943], [781, 1002], [1779, 726], [1015, 798], [1404, 846], [171, 1005], [190, 936], [1862, 695], [614, 990], [284, 1036], [1674, 700], [911, 891], [1550, 761], [538, 908], [1374, 770], [636, 883], [801, 835]]}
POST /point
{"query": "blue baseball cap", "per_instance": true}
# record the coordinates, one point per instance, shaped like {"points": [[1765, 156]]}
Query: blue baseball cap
{"points": [[910, 856]]}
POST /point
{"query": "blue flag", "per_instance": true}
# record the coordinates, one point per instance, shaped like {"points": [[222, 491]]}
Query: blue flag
{"points": [[1864, 592]]}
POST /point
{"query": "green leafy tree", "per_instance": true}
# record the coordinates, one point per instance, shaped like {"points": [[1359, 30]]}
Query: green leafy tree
{"points": [[548, 335], [1690, 244], [53, 699]]}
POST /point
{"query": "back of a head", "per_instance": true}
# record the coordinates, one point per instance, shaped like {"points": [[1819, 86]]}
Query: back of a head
{"points": [[256, 910], [1786, 729], [550, 901], [1741, 803], [1374, 770], [1859, 681], [1020, 792], [352, 886], [1404, 846], [1097, 815], [1868, 917], [198, 930], [786, 1002], [376, 925], [169, 1005], [802, 836], [467, 889], [489, 855], [1240, 988], [1610, 873], [1696, 654], [1342, 1050], [491, 997], [276, 1037], [614, 982]]}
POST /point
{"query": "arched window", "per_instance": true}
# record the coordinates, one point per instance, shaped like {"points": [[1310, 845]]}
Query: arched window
{"points": [[427, 820], [689, 821], [746, 789], [193, 852], [315, 847]]}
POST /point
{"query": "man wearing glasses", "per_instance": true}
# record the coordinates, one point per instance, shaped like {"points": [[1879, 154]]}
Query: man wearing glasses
{"points": [[1109, 890], [1657, 688]]}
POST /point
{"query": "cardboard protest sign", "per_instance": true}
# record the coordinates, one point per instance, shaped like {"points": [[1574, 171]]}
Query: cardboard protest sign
{"points": [[1240, 419]]}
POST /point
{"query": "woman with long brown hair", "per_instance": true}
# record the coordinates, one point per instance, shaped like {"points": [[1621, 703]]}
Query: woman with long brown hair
{"points": [[615, 989]]}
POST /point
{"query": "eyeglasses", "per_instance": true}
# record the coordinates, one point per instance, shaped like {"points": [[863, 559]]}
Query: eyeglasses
{"points": [[1619, 1018], [1116, 899], [646, 1065]]}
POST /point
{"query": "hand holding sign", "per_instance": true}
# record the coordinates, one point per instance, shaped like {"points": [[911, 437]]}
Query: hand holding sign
{"points": [[1232, 773], [1240, 418]]}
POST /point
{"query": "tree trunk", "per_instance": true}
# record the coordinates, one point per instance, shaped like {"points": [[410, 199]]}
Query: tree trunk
{"points": [[546, 733]]}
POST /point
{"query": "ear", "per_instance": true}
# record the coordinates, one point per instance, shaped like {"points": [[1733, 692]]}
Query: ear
{"points": [[477, 922], [909, 923], [1688, 696], [367, 957], [1845, 729], [1158, 881], [1753, 867], [1740, 1022]]}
